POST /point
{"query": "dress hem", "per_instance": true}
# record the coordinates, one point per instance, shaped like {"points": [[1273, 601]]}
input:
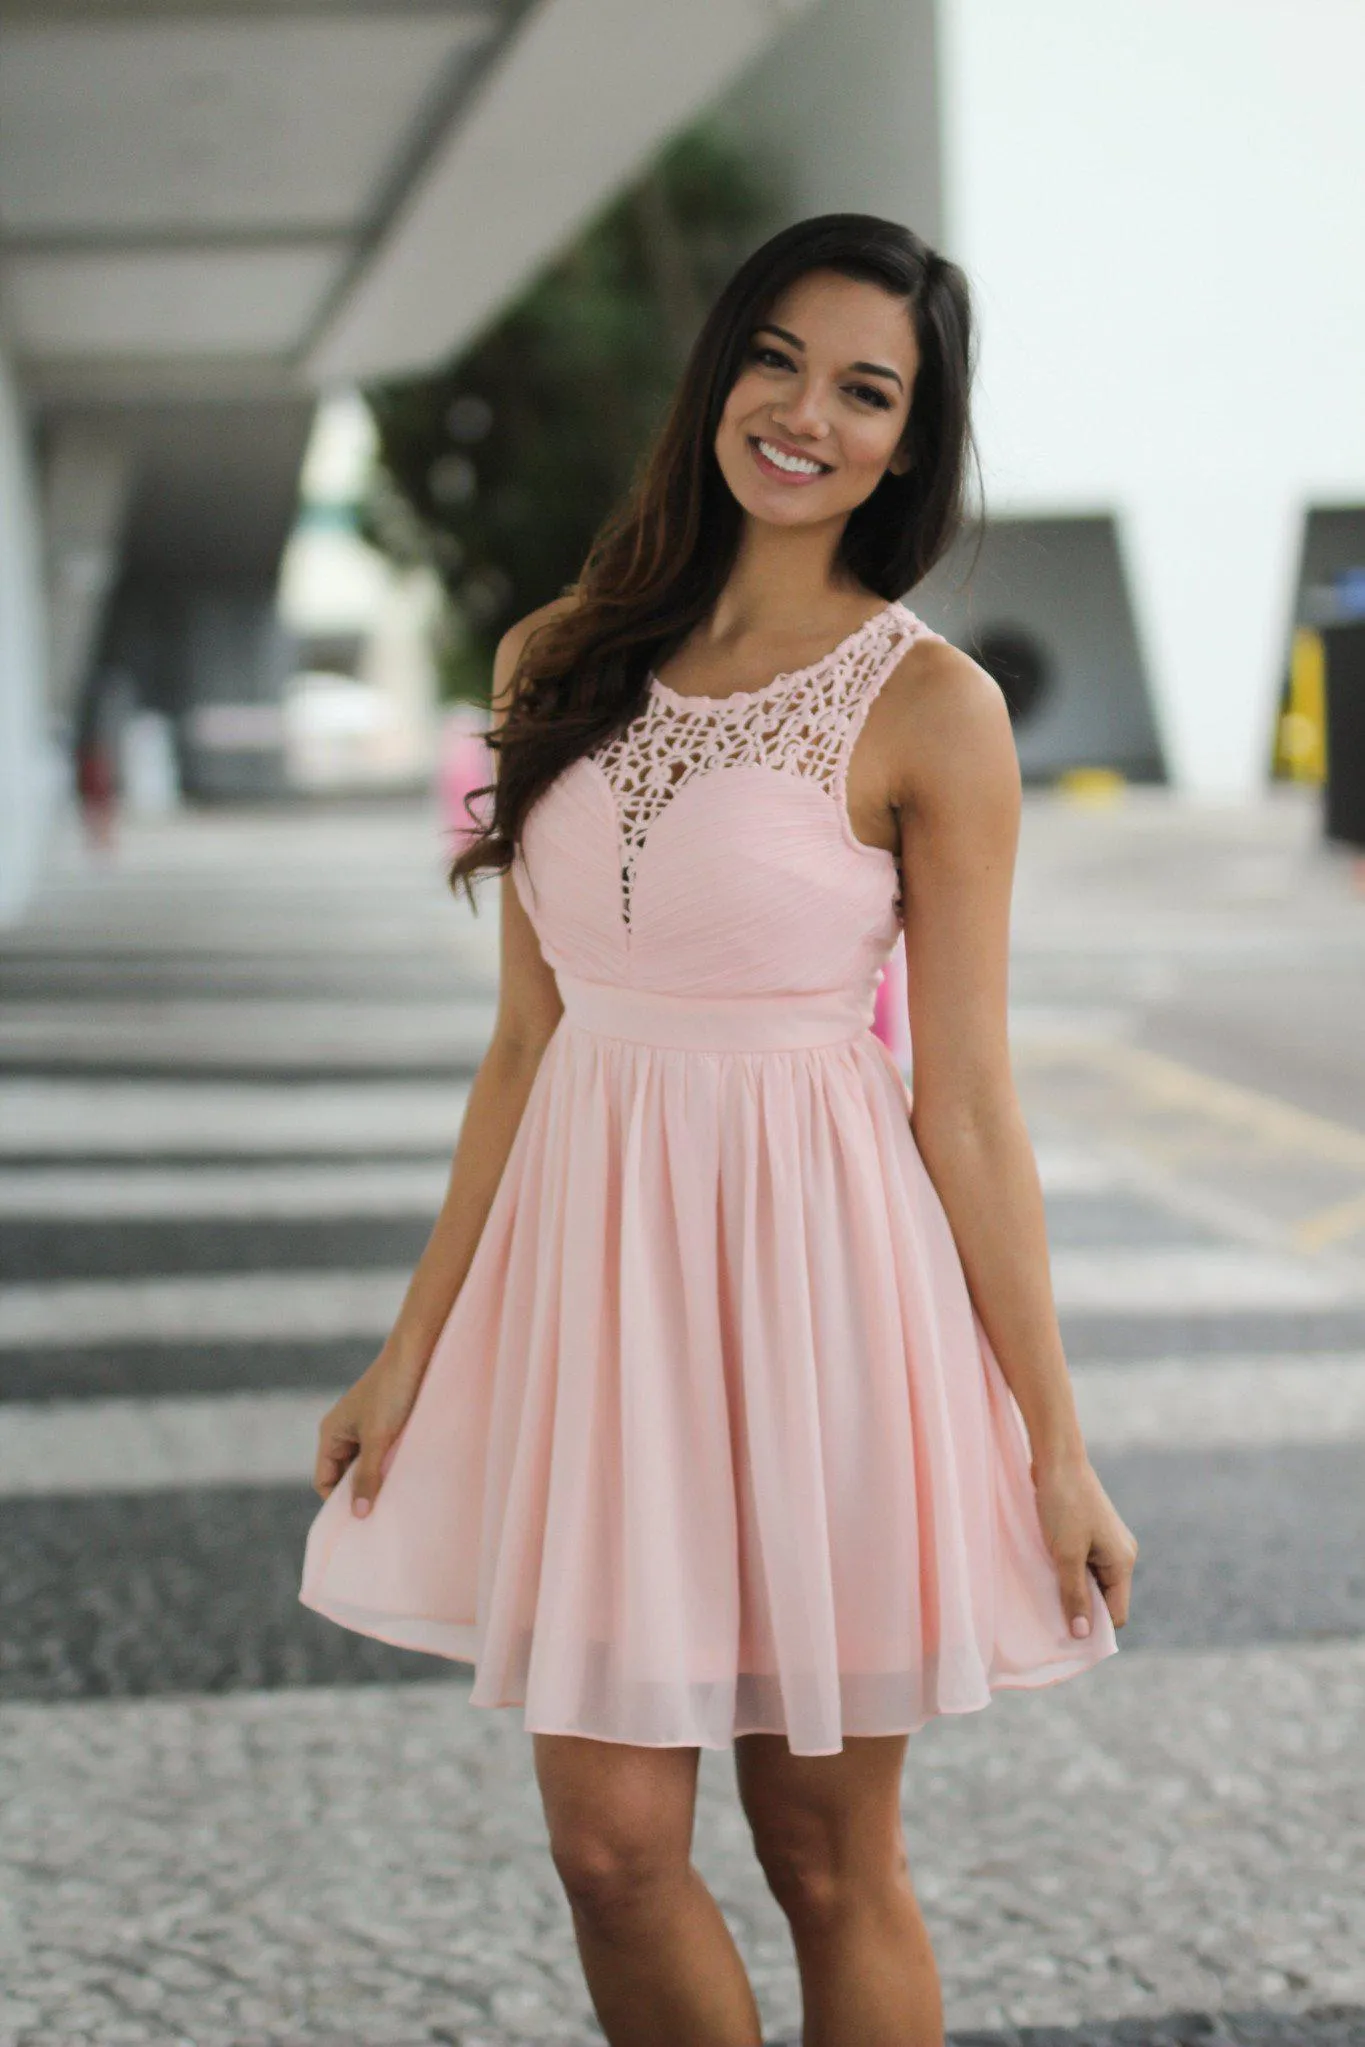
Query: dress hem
{"points": [[359, 1621]]}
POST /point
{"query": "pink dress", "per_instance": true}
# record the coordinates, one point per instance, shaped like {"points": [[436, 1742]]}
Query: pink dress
{"points": [[712, 1441]]}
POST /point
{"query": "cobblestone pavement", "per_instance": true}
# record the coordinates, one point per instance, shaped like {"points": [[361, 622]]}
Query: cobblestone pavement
{"points": [[234, 1066], [238, 1869]]}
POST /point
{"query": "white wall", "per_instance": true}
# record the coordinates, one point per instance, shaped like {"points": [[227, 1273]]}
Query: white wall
{"points": [[28, 775], [1160, 206]]}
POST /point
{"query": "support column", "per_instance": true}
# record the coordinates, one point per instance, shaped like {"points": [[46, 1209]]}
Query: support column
{"points": [[1213, 569], [29, 769], [87, 483]]}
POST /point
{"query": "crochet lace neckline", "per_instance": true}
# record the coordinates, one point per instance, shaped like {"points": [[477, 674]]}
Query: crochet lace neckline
{"points": [[803, 723], [684, 699]]}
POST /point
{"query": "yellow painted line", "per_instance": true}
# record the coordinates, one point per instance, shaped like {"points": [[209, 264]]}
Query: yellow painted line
{"points": [[1171, 1085], [1331, 1225]]}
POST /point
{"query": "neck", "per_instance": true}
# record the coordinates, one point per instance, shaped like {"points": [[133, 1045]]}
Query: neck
{"points": [[782, 581]]}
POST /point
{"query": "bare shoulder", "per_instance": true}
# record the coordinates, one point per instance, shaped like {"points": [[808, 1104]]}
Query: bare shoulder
{"points": [[515, 638], [512, 646], [951, 730]]}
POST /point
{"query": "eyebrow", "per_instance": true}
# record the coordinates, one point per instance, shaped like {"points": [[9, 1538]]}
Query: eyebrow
{"points": [[871, 369]]}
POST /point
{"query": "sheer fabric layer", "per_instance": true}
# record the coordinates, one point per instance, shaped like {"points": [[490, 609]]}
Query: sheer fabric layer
{"points": [[756, 1470]]}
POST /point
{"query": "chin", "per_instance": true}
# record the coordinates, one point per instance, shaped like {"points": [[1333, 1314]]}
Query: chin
{"points": [[773, 509]]}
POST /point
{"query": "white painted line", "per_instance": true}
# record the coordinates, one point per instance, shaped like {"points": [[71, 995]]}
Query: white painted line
{"points": [[117, 1192], [1194, 1281], [1228, 1403], [252, 1305], [1032, 1023], [250, 1030], [148, 1445], [58, 1117], [259, 1192], [223, 1307], [1064, 1169], [68, 1447]]}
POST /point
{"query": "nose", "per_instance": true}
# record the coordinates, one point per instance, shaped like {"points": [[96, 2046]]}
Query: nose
{"points": [[802, 413]]}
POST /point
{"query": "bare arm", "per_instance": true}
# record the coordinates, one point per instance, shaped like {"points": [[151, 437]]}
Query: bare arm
{"points": [[958, 798], [362, 1425]]}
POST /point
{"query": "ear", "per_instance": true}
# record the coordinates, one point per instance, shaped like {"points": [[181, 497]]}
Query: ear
{"points": [[900, 462]]}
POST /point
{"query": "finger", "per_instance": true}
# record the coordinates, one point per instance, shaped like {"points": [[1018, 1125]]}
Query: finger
{"points": [[371, 1466], [1115, 1582], [337, 1445], [1075, 1588]]}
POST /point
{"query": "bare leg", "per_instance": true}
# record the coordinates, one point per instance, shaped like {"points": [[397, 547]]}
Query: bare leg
{"points": [[661, 1967], [828, 1834]]}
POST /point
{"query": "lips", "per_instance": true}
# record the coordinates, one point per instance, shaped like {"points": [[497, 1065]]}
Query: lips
{"points": [[785, 475]]}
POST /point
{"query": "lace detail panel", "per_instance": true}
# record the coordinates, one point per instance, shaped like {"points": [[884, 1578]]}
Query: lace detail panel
{"points": [[801, 724]]}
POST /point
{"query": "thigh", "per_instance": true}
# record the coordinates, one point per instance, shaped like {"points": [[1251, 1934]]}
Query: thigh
{"points": [[615, 1799], [837, 1812]]}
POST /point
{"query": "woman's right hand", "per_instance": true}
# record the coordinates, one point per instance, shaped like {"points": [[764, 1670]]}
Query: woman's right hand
{"points": [[362, 1428]]}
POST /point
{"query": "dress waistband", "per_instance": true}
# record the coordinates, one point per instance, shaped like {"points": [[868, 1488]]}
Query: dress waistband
{"points": [[717, 1023]]}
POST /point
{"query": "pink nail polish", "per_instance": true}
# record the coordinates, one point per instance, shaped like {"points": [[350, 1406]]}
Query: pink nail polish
{"points": [[360, 1508], [1080, 1626]]}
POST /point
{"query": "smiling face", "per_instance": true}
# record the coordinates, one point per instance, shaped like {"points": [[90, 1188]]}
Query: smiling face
{"points": [[821, 402]]}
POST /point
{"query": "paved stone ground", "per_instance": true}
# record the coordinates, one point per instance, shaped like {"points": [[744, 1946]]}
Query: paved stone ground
{"points": [[1182, 1831], [233, 1069]]}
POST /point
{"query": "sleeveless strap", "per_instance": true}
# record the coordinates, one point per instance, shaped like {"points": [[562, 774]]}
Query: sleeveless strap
{"points": [[904, 629]]}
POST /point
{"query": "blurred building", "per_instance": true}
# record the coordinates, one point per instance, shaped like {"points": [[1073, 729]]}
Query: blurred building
{"points": [[209, 215], [359, 709]]}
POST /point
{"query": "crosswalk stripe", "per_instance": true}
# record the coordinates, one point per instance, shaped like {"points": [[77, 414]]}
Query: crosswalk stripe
{"points": [[119, 1191], [344, 1303], [232, 1307], [258, 1192], [1195, 1280], [94, 1119], [1223, 1403], [149, 1445], [450, 1030], [267, 1439]]}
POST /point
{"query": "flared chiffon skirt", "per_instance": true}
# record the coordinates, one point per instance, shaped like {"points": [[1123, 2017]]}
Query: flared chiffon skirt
{"points": [[712, 1441]]}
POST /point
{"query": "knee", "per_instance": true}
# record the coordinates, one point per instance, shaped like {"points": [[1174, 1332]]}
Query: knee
{"points": [[802, 1874], [611, 1874], [814, 1877]]}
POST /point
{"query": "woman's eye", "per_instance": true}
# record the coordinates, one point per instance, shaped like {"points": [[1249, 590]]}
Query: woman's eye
{"points": [[771, 357]]}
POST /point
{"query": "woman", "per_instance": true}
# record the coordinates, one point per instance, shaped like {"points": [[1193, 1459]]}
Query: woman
{"points": [[727, 1402]]}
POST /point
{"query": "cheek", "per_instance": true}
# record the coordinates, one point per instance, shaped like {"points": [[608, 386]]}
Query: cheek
{"points": [[871, 443], [746, 395]]}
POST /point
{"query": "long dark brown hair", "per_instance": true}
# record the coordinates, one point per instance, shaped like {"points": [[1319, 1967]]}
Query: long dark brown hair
{"points": [[661, 560]]}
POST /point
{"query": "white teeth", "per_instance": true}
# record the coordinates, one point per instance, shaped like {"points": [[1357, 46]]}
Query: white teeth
{"points": [[796, 463]]}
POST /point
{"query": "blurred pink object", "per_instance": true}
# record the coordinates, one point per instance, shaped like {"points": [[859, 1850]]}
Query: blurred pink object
{"points": [[467, 763], [890, 1015]]}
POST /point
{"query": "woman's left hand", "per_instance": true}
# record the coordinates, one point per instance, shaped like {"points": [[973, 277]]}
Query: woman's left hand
{"points": [[1085, 1532]]}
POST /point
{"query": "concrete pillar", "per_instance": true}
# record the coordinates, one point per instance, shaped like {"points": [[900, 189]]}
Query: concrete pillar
{"points": [[30, 775], [236, 656], [845, 107], [1214, 570], [86, 486]]}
